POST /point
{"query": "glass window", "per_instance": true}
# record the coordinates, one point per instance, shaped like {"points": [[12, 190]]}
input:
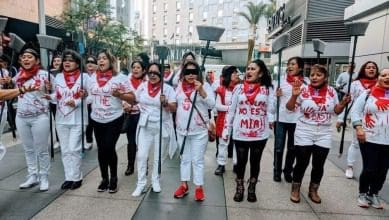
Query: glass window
{"points": [[165, 32], [205, 15], [190, 16], [190, 29], [178, 5], [177, 30], [178, 18], [220, 13], [154, 8], [165, 6]]}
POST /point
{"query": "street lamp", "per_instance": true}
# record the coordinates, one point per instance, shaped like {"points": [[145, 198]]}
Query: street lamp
{"points": [[318, 47], [355, 29]]}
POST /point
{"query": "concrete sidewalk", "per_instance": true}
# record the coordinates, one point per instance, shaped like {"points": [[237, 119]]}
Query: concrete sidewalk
{"points": [[338, 196]]}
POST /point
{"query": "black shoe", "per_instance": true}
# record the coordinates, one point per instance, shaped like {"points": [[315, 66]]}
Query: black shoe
{"points": [[277, 177], [113, 185], [129, 171], [103, 185], [288, 177], [220, 170], [76, 185], [67, 185]]}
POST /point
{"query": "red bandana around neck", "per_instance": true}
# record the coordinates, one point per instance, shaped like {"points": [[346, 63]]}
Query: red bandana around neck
{"points": [[291, 79], [382, 96], [27, 74], [103, 77], [251, 90], [135, 81], [188, 88], [153, 89], [319, 96], [368, 83], [166, 75], [71, 77]]}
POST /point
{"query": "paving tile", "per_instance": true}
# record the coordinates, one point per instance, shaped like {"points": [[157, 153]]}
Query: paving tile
{"points": [[250, 214]]}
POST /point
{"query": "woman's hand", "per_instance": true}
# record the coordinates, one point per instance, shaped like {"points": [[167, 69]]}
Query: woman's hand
{"points": [[279, 92], [48, 85], [345, 100], [199, 87], [70, 103], [117, 93], [46, 96], [296, 88], [361, 136]]}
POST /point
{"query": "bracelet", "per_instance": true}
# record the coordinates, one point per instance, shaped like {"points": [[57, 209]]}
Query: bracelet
{"points": [[21, 90]]}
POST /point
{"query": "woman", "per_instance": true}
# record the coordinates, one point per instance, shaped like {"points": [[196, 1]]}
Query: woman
{"points": [[91, 67], [367, 77], [135, 80], [55, 68], [107, 89], [56, 63], [32, 119], [287, 121], [188, 56], [223, 100], [313, 135], [250, 117], [194, 127], [150, 98], [67, 93], [369, 117]]}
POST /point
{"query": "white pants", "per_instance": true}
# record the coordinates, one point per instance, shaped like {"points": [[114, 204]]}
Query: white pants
{"points": [[70, 142], [307, 135], [34, 133], [353, 150], [2, 125], [147, 137], [194, 151], [222, 154]]}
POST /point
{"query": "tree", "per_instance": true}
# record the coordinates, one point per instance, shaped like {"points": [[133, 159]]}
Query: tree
{"points": [[93, 19], [271, 8], [255, 12]]}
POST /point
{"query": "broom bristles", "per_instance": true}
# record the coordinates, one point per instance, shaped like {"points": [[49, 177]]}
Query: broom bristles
{"points": [[16, 43], [48, 42], [3, 23], [280, 43]]}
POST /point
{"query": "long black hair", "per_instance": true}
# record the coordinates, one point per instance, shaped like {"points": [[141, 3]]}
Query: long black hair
{"points": [[226, 74], [362, 72], [300, 64], [265, 79]]}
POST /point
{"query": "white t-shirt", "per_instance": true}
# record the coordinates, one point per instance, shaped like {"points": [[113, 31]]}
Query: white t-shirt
{"points": [[183, 110], [375, 121], [105, 106], [151, 106], [317, 114], [32, 104], [65, 114], [250, 122]]}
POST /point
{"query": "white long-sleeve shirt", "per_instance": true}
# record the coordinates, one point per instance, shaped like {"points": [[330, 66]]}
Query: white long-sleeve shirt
{"points": [[32, 104], [183, 110], [375, 121], [65, 114], [105, 106], [250, 122]]}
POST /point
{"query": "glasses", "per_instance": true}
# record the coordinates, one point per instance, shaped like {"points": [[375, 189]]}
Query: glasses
{"points": [[91, 61], [191, 71], [154, 73]]}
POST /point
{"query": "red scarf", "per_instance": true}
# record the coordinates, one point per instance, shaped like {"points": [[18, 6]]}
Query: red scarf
{"points": [[166, 75], [153, 89], [27, 74], [188, 88], [221, 90], [71, 77], [135, 81], [318, 95], [251, 90], [382, 96], [103, 78], [368, 83], [291, 78]]}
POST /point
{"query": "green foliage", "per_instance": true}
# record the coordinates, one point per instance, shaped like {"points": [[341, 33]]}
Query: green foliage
{"points": [[94, 19], [255, 12]]}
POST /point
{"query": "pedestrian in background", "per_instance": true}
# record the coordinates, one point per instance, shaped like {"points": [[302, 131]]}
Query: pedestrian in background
{"points": [[91, 67]]}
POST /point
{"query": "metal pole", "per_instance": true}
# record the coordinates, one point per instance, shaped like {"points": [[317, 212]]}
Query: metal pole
{"points": [[42, 29]]}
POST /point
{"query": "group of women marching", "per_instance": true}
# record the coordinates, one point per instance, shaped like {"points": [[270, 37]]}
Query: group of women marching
{"points": [[246, 117]]}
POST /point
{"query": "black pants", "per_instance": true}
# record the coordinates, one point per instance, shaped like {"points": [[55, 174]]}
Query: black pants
{"points": [[242, 153], [131, 138], [107, 134], [89, 127], [281, 130], [53, 109], [303, 156], [375, 159]]}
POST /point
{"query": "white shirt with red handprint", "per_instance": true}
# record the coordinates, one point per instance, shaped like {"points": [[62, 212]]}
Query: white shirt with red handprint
{"points": [[62, 94], [32, 104], [105, 106], [317, 108], [250, 122], [373, 112]]}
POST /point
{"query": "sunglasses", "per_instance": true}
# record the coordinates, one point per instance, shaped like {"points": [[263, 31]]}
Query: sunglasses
{"points": [[190, 71], [154, 73], [91, 61]]}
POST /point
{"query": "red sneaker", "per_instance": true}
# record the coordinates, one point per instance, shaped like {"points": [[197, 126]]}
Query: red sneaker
{"points": [[181, 191], [199, 194]]}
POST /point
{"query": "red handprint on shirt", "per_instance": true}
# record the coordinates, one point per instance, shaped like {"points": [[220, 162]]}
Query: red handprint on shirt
{"points": [[382, 105], [369, 120]]}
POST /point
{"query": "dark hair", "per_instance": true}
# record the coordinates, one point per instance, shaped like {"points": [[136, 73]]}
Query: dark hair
{"points": [[320, 68], [55, 55], [144, 58], [226, 74], [300, 64], [266, 78], [159, 66], [91, 57], [31, 48], [189, 53], [362, 73], [74, 56], [112, 60], [143, 66], [200, 76]]}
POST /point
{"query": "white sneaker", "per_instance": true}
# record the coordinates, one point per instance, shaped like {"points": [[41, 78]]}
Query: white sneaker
{"points": [[363, 202], [3, 150], [44, 183], [88, 146], [156, 186], [139, 191], [349, 173], [31, 181]]}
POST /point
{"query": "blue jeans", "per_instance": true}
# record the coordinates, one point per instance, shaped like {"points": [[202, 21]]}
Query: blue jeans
{"points": [[281, 129]]}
